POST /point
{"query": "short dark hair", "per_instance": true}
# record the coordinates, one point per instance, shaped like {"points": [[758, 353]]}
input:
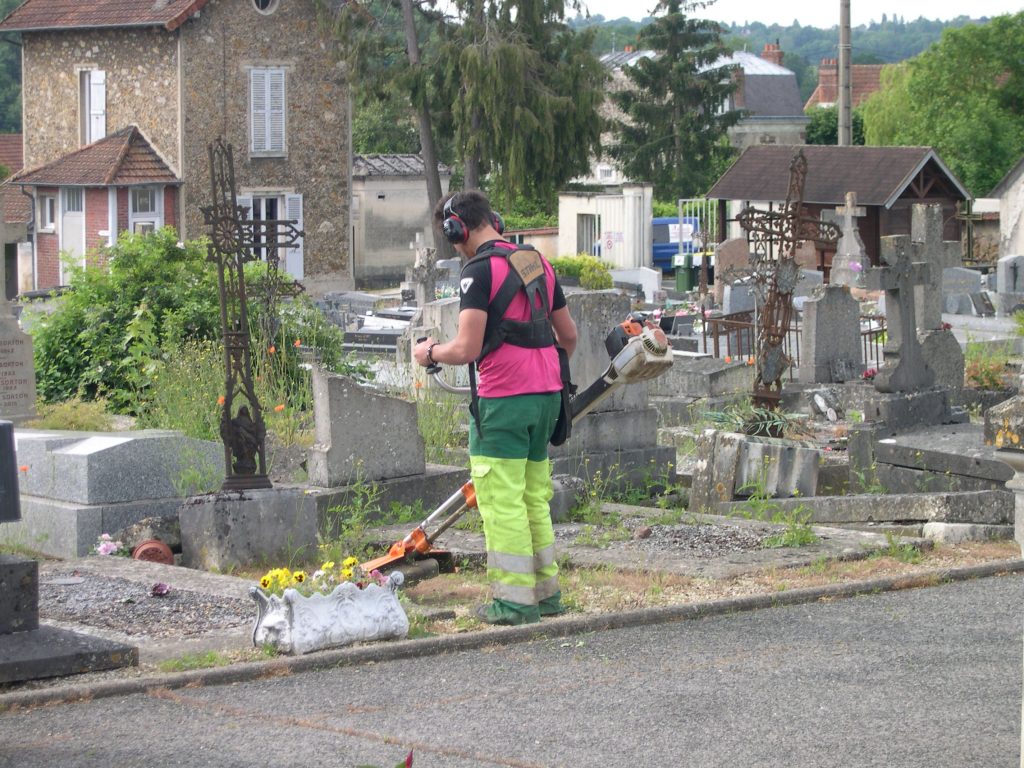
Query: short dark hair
{"points": [[471, 206]]}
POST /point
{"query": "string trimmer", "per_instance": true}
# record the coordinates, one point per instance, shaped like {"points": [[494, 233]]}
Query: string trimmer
{"points": [[639, 352]]}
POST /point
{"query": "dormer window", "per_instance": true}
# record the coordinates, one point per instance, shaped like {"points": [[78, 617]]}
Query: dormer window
{"points": [[266, 7]]}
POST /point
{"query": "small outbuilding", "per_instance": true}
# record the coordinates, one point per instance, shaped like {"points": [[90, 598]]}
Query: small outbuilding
{"points": [[887, 181], [389, 209]]}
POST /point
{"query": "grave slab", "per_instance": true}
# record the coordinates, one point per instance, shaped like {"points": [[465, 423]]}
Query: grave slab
{"points": [[976, 507], [54, 652], [945, 357], [703, 377], [957, 449]]}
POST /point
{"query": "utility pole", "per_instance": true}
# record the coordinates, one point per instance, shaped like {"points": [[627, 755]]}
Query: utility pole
{"points": [[845, 90]]}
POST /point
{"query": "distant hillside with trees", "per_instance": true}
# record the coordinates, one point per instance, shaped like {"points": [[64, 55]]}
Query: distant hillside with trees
{"points": [[890, 40]]}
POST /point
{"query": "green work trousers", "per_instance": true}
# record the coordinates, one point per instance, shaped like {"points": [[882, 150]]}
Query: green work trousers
{"points": [[511, 473]]}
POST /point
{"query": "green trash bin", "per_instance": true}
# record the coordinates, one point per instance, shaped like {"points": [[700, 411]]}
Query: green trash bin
{"points": [[684, 274]]}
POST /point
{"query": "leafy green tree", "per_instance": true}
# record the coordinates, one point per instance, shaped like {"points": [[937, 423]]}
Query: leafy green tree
{"points": [[963, 96], [672, 127], [824, 126]]}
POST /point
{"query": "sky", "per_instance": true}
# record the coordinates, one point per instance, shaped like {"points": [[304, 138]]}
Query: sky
{"points": [[814, 13]]}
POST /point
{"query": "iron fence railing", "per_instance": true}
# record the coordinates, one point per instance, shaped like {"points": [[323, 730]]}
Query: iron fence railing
{"points": [[734, 335]]}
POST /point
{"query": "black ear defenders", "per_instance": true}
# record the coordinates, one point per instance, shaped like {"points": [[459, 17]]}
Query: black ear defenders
{"points": [[454, 228]]}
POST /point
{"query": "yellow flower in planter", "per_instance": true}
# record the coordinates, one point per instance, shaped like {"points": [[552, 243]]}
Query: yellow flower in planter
{"points": [[299, 577], [348, 562]]}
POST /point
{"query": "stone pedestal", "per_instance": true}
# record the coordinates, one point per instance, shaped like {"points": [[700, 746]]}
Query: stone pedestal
{"points": [[29, 651], [225, 530]]}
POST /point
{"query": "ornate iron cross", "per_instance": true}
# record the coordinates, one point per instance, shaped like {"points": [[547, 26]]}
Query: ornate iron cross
{"points": [[778, 276], [233, 240]]}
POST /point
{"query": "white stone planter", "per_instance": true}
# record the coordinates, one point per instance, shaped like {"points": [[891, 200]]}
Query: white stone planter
{"points": [[296, 624]]}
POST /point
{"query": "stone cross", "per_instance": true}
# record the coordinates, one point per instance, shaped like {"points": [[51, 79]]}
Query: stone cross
{"points": [[849, 263], [929, 247], [424, 273], [905, 369]]}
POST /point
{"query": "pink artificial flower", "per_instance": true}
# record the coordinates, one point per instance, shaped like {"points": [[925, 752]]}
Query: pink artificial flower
{"points": [[856, 266]]}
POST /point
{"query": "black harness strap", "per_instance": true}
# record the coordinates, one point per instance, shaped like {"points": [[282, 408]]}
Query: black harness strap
{"points": [[526, 272]]}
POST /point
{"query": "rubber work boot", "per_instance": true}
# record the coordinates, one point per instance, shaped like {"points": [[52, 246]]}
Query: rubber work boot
{"points": [[552, 606], [508, 614]]}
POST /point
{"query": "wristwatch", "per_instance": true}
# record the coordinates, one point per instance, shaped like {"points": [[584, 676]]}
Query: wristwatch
{"points": [[430, 353]]}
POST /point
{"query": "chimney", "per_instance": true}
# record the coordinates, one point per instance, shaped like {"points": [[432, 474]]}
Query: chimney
{"points": [[828, 81], [773, 53], [739, 97]]}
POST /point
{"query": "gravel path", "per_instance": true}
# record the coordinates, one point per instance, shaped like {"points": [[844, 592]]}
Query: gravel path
{"points": [[128, 607]]}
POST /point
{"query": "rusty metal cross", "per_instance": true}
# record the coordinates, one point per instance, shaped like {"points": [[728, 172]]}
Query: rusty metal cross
{"points": [[233, 240], [778, 276]]}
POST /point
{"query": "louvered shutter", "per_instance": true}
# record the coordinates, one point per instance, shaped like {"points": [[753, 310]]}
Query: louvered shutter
{"points": [[275, 113], [294, 260], [97, 105], [258, 109]]}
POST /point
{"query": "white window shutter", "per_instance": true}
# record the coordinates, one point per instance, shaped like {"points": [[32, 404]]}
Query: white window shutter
{"points": [[258, 110], [276, 110], [97, 104], [294, 260]]}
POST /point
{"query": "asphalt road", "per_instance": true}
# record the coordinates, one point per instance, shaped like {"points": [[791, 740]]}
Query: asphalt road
{"points": [[924, 677]]}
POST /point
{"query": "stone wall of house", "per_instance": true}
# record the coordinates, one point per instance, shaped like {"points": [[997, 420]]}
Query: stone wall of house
{"points": [[219, 47], [141, 67]]}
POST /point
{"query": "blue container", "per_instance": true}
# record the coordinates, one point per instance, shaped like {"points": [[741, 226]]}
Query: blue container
{"points": [[666, 232]]}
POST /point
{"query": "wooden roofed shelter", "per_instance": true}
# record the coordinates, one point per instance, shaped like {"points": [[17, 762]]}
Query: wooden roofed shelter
{"points": [[888, 181]]}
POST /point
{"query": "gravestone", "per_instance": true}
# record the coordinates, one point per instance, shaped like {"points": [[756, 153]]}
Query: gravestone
{"points": [[17, 369], [938, 254], [905, 368], [361, 435], [422, 277], [1009, 283], [738, 296], [810, 283], [958, 283], [29, 651], [983, 306], [945, 356], [830, 341], [732, 257], [850, 261]]}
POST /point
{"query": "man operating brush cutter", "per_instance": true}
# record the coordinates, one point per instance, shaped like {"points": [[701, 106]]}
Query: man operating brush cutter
{"points": [[516, 333]]}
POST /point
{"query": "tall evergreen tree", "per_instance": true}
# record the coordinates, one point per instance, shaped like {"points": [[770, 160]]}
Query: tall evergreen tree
{"points": [[673, 125], [526, 90]]}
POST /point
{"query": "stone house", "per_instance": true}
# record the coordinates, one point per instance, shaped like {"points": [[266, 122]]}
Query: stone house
{"points": [[121, 100]]}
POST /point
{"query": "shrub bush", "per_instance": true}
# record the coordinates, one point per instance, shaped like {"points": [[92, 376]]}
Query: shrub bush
{"points": [[592, 273], [113, 320]]}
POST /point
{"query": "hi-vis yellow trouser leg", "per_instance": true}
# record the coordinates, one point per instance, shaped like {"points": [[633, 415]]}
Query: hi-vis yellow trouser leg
{"points": [[512, 477]]}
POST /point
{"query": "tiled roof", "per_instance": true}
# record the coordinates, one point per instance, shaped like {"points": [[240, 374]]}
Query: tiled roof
{"points": [[120, 159], [775, 95], [878, 175], [34, 15], [17, 207], [865, 79], [391, 165], [11, 151]]}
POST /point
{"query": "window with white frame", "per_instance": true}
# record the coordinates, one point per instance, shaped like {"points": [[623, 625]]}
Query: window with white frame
{"points": [[47, 213], [145, 209], [93, 105], [74, 199], [274, 207], [267, 111]]}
